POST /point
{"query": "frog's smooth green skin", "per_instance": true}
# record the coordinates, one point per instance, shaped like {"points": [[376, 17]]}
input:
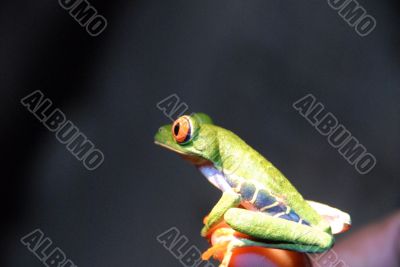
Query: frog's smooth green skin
{"points": [[275, 214]]}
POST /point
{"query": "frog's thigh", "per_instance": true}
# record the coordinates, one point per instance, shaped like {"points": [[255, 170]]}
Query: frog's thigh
{"points": [[288, 234]]}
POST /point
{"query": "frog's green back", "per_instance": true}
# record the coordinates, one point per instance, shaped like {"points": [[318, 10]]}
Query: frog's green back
{"points": [[238, 159]]}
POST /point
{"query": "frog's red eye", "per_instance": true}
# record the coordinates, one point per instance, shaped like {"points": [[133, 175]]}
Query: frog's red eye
{"points": [[181, 129]]}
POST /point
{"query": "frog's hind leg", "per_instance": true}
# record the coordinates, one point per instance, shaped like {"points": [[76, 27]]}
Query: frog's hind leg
{"points": [[275, 232]]}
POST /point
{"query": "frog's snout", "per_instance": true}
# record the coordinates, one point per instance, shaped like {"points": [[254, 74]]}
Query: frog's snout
{"points": [[161, 131], [163, 134]]}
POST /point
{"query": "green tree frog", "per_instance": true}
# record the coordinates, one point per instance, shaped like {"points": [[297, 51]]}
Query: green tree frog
{"points": [[257, 199]]}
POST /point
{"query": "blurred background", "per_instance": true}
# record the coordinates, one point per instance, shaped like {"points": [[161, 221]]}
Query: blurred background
{"points": [[242, 62]]}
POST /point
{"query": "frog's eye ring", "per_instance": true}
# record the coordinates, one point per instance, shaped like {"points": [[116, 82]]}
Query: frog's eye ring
{"points": [[182, 130]]}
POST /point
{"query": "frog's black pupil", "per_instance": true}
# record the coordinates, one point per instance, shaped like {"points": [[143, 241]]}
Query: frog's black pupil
{"points": [[176, 128]]}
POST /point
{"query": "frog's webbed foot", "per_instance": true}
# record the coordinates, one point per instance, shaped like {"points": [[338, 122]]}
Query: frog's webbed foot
{"points": [[224, 242]]}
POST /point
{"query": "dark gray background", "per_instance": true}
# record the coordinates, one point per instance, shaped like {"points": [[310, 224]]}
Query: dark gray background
{"points": [[242, 62]]}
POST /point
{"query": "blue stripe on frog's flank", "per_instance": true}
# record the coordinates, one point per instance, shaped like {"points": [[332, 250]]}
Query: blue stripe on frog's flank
{"points": [[292, 216], [247, 191], [275, 209], [265, 202], [264, 199], [259, 198]]}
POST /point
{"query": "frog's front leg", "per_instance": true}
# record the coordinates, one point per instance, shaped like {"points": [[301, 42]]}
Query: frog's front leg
{"points": [[276, 232], [228, 200]]}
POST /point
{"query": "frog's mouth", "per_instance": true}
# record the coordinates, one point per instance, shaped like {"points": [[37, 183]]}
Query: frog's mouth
{"points": [[168, 147], [194, 159]]}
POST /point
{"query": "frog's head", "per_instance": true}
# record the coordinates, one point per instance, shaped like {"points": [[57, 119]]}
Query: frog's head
{"points": [[193, 137]]}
